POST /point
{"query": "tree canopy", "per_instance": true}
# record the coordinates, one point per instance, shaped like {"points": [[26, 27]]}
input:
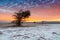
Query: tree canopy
{"points": [[19, 16]]}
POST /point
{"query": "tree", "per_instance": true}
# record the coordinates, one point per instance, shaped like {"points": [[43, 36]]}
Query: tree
{"points": [[20, 16]]}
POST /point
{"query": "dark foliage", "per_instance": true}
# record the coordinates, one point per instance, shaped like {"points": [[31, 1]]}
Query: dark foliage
{"points": [[20, 16]]}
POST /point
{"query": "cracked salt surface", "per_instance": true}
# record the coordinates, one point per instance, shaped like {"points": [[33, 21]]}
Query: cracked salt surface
{"points": [[41, 32]]}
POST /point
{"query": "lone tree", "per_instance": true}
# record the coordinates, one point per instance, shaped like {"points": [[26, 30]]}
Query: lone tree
{"points": [[20, 16]]}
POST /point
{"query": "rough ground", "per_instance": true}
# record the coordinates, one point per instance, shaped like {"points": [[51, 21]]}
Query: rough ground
{"points": [[40, 32]]}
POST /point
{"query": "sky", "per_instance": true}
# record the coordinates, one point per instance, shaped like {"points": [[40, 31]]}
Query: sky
{"points": [[41, 10]]}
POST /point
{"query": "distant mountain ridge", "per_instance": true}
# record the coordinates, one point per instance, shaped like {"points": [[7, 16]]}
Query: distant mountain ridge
{"points": [[4, 21], [50, 22], [42, 22]]}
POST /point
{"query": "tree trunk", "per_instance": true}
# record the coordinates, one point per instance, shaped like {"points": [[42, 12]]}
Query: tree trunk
{"points": [[18, 22]]}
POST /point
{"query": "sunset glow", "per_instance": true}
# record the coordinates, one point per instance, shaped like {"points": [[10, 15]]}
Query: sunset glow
{"points": [[40, 10]]}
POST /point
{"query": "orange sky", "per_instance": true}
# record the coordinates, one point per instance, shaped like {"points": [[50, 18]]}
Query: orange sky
{"points": [[37, 14]]}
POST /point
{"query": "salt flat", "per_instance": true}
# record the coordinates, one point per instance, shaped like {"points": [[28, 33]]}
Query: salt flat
{"points": [[40, 32]]}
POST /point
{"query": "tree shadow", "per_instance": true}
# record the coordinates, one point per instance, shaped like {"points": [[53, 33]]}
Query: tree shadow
{"points": [[19, 26]]}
